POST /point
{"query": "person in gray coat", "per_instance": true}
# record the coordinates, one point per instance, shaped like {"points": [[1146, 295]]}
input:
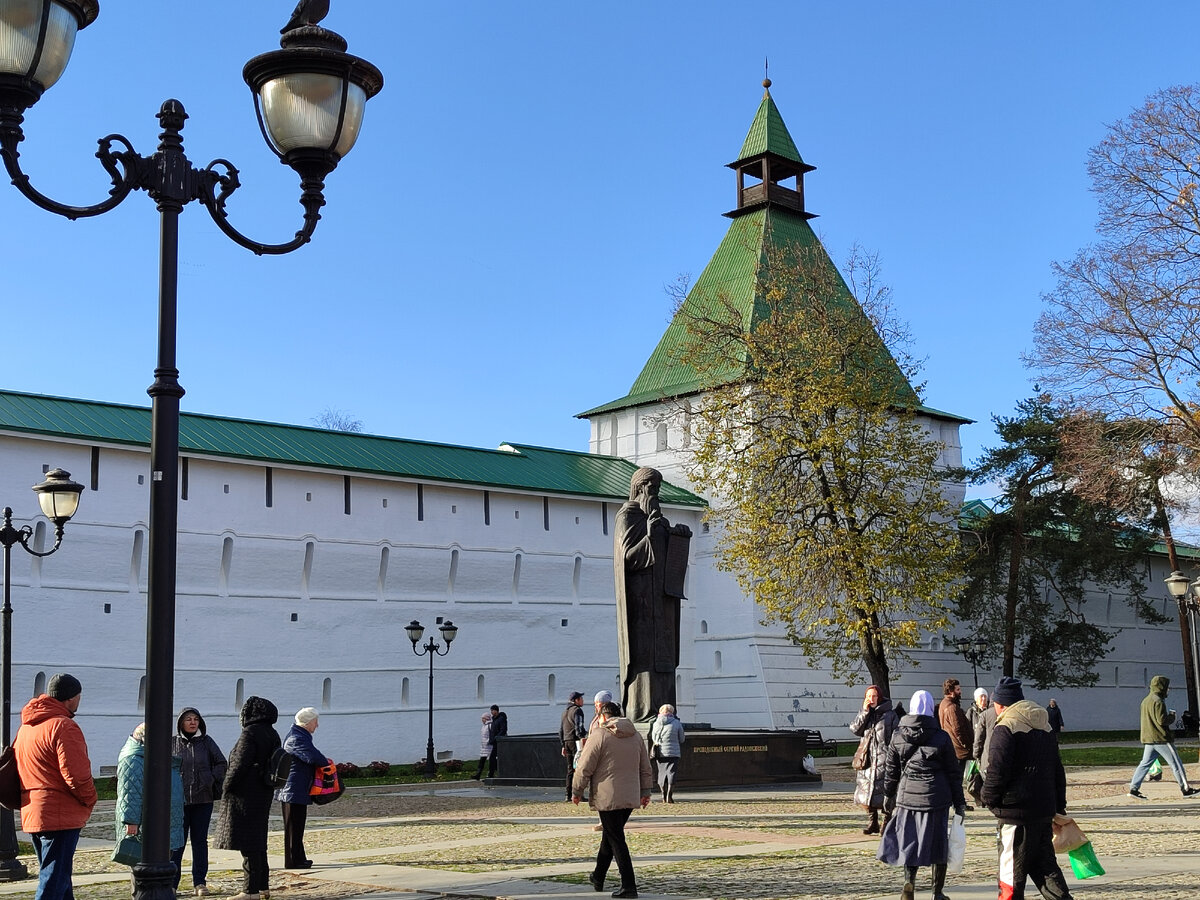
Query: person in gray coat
{"points": [[874, 725], [666, 742]]}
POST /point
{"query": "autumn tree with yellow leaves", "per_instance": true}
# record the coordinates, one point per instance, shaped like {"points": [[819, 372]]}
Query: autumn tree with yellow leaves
{"points": [[823, 476]]}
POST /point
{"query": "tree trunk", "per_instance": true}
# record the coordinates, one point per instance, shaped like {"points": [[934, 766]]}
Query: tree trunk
{"points": [[875, 657], [1012, 594], [1185, 625]]}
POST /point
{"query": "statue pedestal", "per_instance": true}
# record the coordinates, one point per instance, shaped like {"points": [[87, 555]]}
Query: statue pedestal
{"points": [[712, 757]]}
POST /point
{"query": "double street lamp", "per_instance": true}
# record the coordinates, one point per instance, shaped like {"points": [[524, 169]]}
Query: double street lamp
{"points": [[431, 649], [974, 652], [309, 97], [58, 496]]}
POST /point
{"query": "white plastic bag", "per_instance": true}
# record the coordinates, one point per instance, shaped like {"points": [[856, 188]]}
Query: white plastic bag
{"points": [[958, 846], [810, 764]]}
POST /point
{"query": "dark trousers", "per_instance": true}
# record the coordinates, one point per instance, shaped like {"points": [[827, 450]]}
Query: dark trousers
{"points": [[1027, 851], [196, 819], [295, 815], [55, 855], [256, 874], [613, 846], [570, 773], [492, 762]]}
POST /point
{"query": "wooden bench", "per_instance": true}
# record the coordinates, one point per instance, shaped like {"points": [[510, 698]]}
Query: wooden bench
{"points": [[817, 745]]}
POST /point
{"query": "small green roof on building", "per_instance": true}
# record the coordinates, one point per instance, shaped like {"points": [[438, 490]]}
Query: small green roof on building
{"points": [[520, 467]]}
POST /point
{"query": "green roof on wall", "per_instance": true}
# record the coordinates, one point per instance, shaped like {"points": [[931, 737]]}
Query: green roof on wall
{"points": [[520, 467]]}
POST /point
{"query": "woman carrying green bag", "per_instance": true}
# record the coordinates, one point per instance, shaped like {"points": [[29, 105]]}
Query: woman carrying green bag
{"points": [[130, 781]]}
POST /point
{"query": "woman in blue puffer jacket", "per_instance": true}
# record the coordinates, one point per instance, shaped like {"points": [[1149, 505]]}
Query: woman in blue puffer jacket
{"points": [[666, 735], [294, 796]]}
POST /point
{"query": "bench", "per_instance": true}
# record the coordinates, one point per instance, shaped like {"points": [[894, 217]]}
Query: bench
{"points": [[817, 745]]}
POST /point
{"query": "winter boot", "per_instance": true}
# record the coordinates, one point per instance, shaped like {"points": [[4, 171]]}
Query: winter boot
{"points": [[908, 892], [939, 881], [873, 825]]}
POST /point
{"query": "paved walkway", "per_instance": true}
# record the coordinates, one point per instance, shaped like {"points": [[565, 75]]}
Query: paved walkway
{"points": [[473, 841]]}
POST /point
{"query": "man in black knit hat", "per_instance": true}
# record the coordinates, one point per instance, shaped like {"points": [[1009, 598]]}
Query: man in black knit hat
{"points": [[1024, 787]]}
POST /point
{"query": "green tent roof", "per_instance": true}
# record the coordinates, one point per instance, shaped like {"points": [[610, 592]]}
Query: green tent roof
{"points": [[733, 276], [515, 466], [768, 134]]}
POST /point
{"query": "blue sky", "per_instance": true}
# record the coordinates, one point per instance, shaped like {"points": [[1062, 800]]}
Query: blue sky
{"points": [[492, 257]]}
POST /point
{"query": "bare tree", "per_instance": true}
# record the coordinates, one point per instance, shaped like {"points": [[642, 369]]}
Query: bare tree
{"points": [[338, 420], [1121, 329]]}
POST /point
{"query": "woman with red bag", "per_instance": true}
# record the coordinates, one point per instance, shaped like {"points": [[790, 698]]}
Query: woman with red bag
{"points": [[294, 796]]}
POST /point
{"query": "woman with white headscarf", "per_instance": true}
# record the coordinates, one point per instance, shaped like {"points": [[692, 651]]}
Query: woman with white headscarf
{"points": [[921, 782]]}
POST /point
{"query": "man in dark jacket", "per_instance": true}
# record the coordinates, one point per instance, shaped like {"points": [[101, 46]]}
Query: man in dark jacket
{"points": [[499, 729], [1158, 738], [1024, 787], [956, 724], [571, 731]]}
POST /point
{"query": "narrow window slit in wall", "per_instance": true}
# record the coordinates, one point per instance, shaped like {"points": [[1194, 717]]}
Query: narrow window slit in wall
{"points": [[183, 478], [612, 437], [346, 492], [577, 571], [453, 570], [269, 485], [141, 479], [487, 508], [107, 608], [404, 692], [39, 684], [95, 468], [516, 514], [545, 513], [226, 562], [381, 585], [310, 550], [550, 687], [239, 694], [660, 437], [308, 496], [577, 520], [704, 626], [225, 488], [385, 502], [604, 517], [39, 546], [295, 617], [717, 661], [326, 693], [420, 503], [516, 582], [479, 692], [563, 623], [141, 704], [135, 560]]}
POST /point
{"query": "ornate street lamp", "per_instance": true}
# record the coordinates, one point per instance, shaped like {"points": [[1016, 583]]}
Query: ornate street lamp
{"points": [[431, 649], [974, 652], [309, 96], [58, 496]]}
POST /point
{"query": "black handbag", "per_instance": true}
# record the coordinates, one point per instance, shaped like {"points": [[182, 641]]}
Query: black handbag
{"points": [[10, 780], [128, 851]]}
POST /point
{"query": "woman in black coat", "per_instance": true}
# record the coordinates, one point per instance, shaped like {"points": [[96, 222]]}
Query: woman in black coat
{"points": [[921, 781], [247, 809]]}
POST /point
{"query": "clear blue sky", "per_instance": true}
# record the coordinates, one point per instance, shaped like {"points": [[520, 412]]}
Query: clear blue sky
{"points": [[492, 256]]}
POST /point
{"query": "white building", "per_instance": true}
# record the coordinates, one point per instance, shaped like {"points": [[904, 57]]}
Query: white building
{"points": [[303, 553]]}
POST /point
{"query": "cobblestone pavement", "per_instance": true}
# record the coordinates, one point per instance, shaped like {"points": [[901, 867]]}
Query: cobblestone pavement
{"points": [[471, 842]]}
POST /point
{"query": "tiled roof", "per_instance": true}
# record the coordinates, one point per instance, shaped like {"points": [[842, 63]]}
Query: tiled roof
{"points": [[520, 467]]}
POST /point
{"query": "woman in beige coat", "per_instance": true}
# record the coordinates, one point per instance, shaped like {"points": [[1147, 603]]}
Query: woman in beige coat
{"points": [[616, 765]]}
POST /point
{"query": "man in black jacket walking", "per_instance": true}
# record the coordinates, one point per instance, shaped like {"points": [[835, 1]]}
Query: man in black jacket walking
{"points": [[1024, 786], [571, 731]]}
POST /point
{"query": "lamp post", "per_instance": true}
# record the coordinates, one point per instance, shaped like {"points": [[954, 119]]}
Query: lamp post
{"points": [[58, 496], [1179, 586], [974, 652], [431, 649], [309, 99]]}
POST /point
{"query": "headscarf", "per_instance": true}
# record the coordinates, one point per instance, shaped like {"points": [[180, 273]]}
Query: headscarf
{"points": [[979, 692], [921, 704]]}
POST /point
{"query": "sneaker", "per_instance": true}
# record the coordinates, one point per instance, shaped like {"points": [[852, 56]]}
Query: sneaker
{"points": [[1188, 792], [201, 890], [1138, 794]]}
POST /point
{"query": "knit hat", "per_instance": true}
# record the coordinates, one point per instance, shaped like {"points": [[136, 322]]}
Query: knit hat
{"points": [[1008, 691], [980, 692], [921, 704], [306, 715], [64, 687], [603, 697], [575, 695]]}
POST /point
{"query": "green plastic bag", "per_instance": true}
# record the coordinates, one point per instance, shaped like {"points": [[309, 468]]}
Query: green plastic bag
{"points": [[1156, 767], [1084, 863]]}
